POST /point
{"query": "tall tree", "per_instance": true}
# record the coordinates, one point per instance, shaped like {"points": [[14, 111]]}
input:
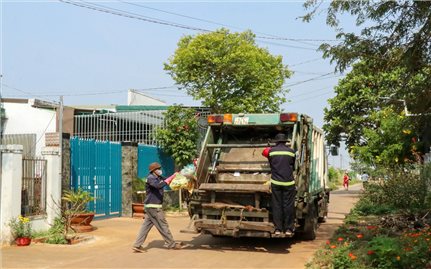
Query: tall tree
{"points": [[229, 72], [393, 33], [391, 66]]}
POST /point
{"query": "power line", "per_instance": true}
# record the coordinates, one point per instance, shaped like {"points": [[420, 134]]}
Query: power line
{"points": [[88, 93], [284, 45], [306, 62], [26, 93], [126, 14], [118, 12], [313, 78], [312, 97], [268, 36], [308, 73], [310, 92]]}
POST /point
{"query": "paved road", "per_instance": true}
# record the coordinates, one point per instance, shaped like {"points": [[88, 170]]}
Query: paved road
{"points": [[111, 247]]}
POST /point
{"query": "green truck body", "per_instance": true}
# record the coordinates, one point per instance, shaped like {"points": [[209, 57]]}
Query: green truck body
{"points": [[232, 195]]}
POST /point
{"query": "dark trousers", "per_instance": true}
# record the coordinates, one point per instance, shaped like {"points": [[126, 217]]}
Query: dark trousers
{"points": [[283, 207]]}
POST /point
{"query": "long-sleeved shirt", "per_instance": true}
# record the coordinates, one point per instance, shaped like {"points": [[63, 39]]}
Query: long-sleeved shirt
{"points": [[154, 191]]}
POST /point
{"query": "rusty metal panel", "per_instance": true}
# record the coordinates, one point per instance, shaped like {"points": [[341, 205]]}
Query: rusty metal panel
{"points": [[235, 225], [240, 213], [244, 178], [235, 187]]}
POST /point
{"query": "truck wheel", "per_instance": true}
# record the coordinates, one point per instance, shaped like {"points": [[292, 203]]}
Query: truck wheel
{"points": [[310, 224]]}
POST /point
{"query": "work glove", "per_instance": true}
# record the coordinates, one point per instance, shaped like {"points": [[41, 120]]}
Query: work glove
{"points": [[169, 179]]}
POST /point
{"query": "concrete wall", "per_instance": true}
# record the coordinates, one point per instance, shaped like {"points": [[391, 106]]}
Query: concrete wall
{"points": [[11, 184], [10, 206], [22, 118], [129, 170]]}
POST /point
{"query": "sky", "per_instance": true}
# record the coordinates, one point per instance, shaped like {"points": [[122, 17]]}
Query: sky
{"points": [[52, 48]]}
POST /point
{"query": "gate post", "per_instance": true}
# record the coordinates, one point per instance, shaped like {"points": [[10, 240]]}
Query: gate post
{"points": [[53, 182], [10, 188], [129, 170]]}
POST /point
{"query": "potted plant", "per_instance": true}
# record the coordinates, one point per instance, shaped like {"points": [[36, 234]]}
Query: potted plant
{"points": [[21, 230], [78, 218], [138, 196]]}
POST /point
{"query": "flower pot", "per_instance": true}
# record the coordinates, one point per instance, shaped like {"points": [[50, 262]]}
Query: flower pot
{"points": [[138, 210], [23, 241], [80, 223], [82, 219]]}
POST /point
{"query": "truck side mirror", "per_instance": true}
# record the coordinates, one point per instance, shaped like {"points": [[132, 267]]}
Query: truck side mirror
{"points": [[333, 150]]}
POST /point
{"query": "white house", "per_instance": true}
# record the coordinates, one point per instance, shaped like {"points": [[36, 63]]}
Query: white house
{"points": [[27, 121]]}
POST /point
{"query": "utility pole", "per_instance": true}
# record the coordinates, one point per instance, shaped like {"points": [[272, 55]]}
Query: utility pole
{"points": [[341, 161], [60, 138]]}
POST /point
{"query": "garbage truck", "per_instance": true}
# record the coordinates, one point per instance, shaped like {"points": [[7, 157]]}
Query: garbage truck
{"points": [[232, 194]]}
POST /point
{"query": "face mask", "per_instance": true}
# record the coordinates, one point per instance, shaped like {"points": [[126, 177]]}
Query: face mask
{"points": [[159, 172]]}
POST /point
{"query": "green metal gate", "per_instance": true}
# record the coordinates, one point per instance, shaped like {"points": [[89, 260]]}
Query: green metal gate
{"points": [[96, 168]]}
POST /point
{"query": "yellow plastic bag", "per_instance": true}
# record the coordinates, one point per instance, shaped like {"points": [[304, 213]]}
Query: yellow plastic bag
{"points": [[179, 182]]}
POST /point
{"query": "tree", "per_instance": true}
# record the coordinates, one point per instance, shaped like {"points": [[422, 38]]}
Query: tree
{"points": [[393, 33], [391, 58], [392, 144], [179, 136], [229, 72], [369, 119]]}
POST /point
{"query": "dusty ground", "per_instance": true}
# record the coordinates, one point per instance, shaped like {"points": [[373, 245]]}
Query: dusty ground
{"points": [[111, 247]]}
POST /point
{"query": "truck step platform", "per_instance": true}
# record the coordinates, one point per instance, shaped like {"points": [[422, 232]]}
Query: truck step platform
{"points": [[226, 187]]}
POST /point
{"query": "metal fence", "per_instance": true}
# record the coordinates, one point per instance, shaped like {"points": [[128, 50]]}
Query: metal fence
{"points": [[134, 126], [33, 192]]}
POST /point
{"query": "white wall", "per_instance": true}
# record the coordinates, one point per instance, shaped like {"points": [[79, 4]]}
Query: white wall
{"points": [[25, 119], [137, 98], [11, 185]]}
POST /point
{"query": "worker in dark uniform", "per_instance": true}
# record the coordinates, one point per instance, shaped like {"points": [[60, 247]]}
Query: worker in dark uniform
{"points": [[282, 161], [154, 215]]}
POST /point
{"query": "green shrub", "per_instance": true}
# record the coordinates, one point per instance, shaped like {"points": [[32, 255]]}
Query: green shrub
{"points": [[56, 234], [366, 206], [404, 189], [385, 252], [334, 178], [138, 184]]}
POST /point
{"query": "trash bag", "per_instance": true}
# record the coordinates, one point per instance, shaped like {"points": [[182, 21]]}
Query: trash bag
{"points": [[179, 182], [188, 170], [185, 179]]}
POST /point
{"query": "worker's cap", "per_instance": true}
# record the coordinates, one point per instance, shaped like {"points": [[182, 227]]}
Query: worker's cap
{"points": [[281, 138], [154, 166]]}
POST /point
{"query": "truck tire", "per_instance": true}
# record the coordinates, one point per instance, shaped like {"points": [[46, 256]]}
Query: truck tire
{"points": [[310, 223]]}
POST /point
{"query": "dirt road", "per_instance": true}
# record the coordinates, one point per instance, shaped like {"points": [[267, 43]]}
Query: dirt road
{"points": [[111, 247]]}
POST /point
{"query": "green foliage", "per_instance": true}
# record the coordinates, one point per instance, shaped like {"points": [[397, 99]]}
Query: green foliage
{"points": [[229, 72], [77, 200], [334, 177], [20, 227], [402, 190], [386, 250], [390, 144], [56, 234], [366, 206], [341, 258], [393, 34], [390, 58], [180, 134], [138, 184], [362, 245]]}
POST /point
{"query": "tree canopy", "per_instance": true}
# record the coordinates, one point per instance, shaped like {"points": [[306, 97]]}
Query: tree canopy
{"points": [[229, 72], [390, 61], [180, 134]]}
